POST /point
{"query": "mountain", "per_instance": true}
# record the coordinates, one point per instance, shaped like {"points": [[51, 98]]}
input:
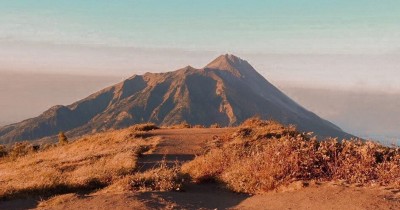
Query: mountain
{"points": [[226, 91]]}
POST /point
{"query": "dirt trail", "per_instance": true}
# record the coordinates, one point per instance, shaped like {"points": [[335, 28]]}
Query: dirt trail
{"points": [[182, 145], [178, 145], [173, 145]]}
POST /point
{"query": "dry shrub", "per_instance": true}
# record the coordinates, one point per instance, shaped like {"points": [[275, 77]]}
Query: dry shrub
{"points": [[161, 178], [20, 149], [263, 155], [3, 151], [141, 130], [198, 126], [180, 125], [255, 128], [141, 134], [62, 138], [215, 125], [144, 127]]}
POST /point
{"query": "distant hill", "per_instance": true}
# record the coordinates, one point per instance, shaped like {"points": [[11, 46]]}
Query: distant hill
{"points": [[227, 91]]}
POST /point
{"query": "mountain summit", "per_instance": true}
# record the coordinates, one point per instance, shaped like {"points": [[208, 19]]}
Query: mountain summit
{"points": [[233, 64], [227, 91]]}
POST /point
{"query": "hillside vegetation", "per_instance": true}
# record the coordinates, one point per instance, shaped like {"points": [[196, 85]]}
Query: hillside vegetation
{"points": [[255, 157], [264, 155], [90, 162]]}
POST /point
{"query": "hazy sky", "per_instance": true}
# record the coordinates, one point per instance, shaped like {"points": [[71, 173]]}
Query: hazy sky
{"points": [[124, 37], [346, 45], [321, 26]]}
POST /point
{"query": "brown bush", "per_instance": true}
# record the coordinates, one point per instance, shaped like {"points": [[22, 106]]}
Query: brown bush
{"points": [[20, 149], [263, 155], [181, 126], [3, 151], [144, 127], [215, 125], [198, 126], [62, 138]]}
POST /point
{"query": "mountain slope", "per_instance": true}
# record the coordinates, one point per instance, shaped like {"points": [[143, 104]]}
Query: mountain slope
{"points": [[227, 91]]}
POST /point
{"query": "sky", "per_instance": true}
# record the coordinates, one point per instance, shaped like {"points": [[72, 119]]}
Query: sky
{"points": [[361, 38], [343, 45], [345, 26]]}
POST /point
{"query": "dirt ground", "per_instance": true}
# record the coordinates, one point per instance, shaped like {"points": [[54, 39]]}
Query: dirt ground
{"points": [[182, 145]]}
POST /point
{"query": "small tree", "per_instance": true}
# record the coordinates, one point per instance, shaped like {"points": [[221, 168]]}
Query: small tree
{"points": [[3, 151], [62, 138]]}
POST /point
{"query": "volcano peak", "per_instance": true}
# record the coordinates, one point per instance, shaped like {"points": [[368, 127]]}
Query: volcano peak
{"points": [[227, 91]]}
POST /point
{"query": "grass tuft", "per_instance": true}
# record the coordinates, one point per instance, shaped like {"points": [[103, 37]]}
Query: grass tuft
{"points": [[161, 178]]}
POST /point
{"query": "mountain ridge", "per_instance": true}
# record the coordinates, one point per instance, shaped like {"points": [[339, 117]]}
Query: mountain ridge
{"points": [[226, 91]]}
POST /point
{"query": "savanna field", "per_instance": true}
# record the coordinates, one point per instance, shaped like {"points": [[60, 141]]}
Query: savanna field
{"points": [[256, 158]]}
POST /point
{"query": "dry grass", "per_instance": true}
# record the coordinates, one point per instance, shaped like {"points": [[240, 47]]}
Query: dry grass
{"points": [[198, 126], [180, 126], [264, 155], [161, 178], [259, 156], [19, 149], [145, 127], [142, 130], [88, 163], [58, 199], [215, 125]]}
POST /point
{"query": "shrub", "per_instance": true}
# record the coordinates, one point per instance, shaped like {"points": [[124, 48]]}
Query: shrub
{"points": [[181, 125], [47, 146], [215, 125], [20, 149], [62, 139], [141, 134], [145, 127], [263, 157], [3, 151], [198, 126]]}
